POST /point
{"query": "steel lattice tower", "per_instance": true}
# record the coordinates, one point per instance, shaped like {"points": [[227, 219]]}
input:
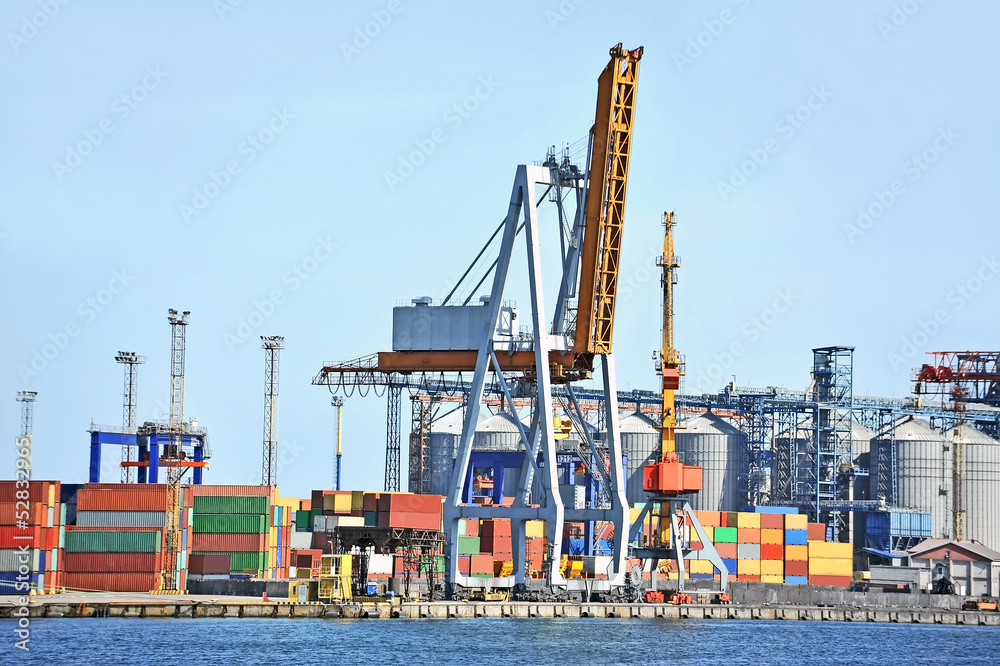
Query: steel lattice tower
{"points": [[173, 452], [392, 438], [272, 346], [130, 360], [27, 400]]}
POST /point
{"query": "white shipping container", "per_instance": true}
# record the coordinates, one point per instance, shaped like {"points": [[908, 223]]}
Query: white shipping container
{"points": [[10, 560], [121, 518], [301, 540], [380, 564]]}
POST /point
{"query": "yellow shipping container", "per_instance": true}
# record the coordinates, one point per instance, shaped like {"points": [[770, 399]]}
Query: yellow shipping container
{"points": [[771, 579], [731, 519], [699, 566], [748, 520], [772, 536], [747, 567], [633, 515], [342, 503], [772, 568], [827, 550], [357, 499], [796, 521], [796, 553], [819, 566], [534, 528]]}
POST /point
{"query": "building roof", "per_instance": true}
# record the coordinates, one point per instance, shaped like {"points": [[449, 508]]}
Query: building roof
{"points": [[912, 428], [978, 550], [708, 424], [970, 435], [636, 422]]}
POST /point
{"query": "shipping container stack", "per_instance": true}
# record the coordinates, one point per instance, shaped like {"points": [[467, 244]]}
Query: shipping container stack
{"points": [[235, 521], [32, 532], [771, 545], [282, 525], [118, 541]]}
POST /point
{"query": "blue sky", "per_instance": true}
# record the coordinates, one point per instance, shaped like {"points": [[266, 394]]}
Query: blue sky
{"points": [[231, 158]]}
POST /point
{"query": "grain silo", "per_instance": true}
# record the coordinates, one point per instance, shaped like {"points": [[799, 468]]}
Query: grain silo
{"points": [[711, 443], [923, 470], [498, 433], [640, 440], [982, 485], [446, 431]]}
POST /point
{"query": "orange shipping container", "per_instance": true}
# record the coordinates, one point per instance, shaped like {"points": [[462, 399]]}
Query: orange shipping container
{"points": [[772, 536], [797, 554], [747, 535]]}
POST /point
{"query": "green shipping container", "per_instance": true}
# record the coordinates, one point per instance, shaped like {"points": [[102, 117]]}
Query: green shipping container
{"points": [[302, 523], [81, 541], [371, 519], [238, 524], [468, 545], [725, 535], [232, 505]]}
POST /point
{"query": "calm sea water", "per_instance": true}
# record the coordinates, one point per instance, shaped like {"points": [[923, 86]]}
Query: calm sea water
{"points": [[602, 642]]}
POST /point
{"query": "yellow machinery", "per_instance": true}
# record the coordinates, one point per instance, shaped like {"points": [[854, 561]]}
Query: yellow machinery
{"points": [[335, 578], [668, 477]]}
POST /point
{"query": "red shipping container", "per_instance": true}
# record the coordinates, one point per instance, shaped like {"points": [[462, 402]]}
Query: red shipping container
{"points": [[409, 503], [464, 562], [417, 521], [114, 562], [232, 491], [121, 500], [324, 542], [835, 581], [747, 535], [796, 568], [13, 537], [215, 564], [112, 582], [369, 502], [491, 542], [816, 532], [772, 551], [229, 543], [38, 491], [772, 521], [148, 487], [37, 513], [495, 527], [471, 527], [727, 551]]}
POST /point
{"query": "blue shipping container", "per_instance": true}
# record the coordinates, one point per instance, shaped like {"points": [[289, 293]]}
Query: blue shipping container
{"points": [[730, 566], [783, 510], [796, 537], [576, 546], [701, 576], [796, 580]]}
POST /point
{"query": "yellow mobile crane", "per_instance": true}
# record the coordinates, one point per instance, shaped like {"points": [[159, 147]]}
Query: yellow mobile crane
{"points": [[667, 476]]}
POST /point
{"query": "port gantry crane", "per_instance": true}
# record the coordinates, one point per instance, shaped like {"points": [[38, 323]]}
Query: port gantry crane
{"points": [[660, 526], [433, 341]]}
